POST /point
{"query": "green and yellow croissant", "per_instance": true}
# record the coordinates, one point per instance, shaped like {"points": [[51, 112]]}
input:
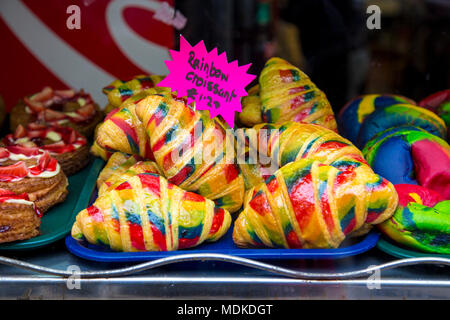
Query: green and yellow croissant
{"points": [[146, 213], [307, 204], [285, 93], [192, 150]]}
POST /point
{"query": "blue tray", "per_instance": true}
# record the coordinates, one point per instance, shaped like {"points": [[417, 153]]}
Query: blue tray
{"points": [[349, 247]]}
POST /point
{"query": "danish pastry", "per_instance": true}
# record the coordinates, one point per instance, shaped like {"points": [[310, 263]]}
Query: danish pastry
{"points": [[19, 217], [146, 213], [64, 144], [34, 172], [58, 107]]}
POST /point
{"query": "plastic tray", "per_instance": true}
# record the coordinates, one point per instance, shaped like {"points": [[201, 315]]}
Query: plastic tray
{"points": [[225, 245], [58, 221], [399, 252]]}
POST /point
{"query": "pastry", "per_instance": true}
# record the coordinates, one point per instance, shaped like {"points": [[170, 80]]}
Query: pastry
{"points": [[139, 167], [397, 115], [307, 204], [34, 172], [19, 217], [146, 213], [283, 143], [118, 91], [123, 131], [2, 112], [58, 107], [421, 221], [406, 155], [117, 167], [439, 103], [352, 115], [192, 150], [67, 146], [286, 93]]}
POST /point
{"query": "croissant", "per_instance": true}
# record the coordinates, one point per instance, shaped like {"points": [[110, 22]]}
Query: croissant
{"points": [[123, 131], [307, 204], [285, 94], [117, 164], [119, 168], [192, 150], [290, 141], [119, 91], [146, 213]]}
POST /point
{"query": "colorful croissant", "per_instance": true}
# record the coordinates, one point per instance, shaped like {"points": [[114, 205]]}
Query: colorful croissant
{"points": [[146, 213], [192, 150], [307, 204], [119, 91], [291, 141], [286, 94]]}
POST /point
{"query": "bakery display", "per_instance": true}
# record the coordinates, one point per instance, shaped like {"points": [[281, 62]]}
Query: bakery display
{"points": [[119, 91], [353, 114], [421, 221], [67, 146], [406, 155], [147, 213], [307, 204], [20, 219], [285, 93], [34, 172], [68, 108], [192, 150]]}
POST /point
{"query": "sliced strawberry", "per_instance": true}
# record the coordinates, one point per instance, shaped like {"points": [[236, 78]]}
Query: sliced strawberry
{"points": [[87, 110], [20, 132], [29, 152], [35, 106], [73, 137], [75, 117], [52, 115], [4, 153], [36, 134], [44, 95], [44, 161], [5, 192], [65, 93], [14, 171]]}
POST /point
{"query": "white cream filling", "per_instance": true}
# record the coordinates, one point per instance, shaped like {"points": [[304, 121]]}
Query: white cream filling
{"points": [[20, 201]]}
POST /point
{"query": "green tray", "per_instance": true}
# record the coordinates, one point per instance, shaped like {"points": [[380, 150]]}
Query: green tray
{"points": [[400, 252], [58, 221]]}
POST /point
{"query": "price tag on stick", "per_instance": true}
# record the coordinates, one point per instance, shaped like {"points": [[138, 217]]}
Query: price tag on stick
{"points": [[208, 79]]}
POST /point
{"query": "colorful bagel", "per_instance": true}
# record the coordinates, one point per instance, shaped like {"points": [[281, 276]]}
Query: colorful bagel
{"points": [[439, 103], [397, 115], [286, 94], [411, 156], [353, 114], [421, 221]]}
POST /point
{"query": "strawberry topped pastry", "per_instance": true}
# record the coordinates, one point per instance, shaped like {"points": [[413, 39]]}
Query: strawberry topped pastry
{"points": [[67, 108], [20, 218], [32, 171], [66, 145]]}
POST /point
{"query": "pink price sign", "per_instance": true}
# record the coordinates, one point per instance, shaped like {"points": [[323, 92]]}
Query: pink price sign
{"points": [[208, 79]]}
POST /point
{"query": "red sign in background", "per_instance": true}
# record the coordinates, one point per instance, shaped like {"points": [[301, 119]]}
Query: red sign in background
{"points": [[116, 39]]}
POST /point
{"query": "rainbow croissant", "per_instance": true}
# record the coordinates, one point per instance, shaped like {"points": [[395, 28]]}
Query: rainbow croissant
{"points": [[192, 150], [285, 93], [306, 204], [146, 213]]}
